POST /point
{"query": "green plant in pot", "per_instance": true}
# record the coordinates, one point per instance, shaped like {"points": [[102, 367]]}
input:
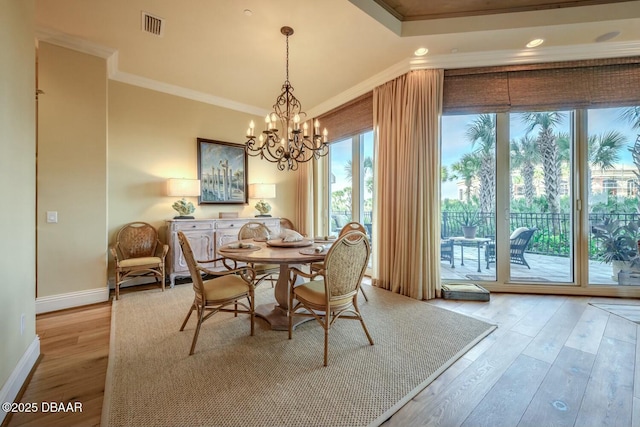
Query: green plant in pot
{"points": [[617, 244], [469, 220]]}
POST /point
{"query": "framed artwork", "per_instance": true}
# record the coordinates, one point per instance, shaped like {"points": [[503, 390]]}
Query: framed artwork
{"points": [[222, 170]]}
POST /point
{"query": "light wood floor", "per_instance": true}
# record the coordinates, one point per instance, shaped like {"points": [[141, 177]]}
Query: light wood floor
{"points": [[553, 361]]}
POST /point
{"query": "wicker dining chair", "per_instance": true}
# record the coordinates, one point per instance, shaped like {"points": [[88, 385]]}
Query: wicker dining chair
{"points": [[138, 252], [229, 288], [286, 224], [264, 272], [334, 296], [350, 226]]}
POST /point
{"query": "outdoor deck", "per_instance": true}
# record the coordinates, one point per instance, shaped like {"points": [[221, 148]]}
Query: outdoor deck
{"points": [[544, 268]]}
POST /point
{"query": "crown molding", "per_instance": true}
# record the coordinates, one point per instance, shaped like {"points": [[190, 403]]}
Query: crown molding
{"points": [[448, 61], [74, 43], [182, 92]]}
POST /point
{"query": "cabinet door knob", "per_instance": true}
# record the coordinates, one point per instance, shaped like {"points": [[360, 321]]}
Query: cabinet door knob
{"points": [[193, 226]]}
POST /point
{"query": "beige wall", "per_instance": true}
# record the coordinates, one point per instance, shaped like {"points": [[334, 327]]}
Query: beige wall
{"points": [[72, 168], [152, 137], [17, 182], [106, 150]]}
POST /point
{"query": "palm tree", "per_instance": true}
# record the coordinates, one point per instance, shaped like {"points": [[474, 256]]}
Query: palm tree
{"points": [[632, 115], [525, 156], [547, 144], [367, 172], [466, 169], [483, 132]]}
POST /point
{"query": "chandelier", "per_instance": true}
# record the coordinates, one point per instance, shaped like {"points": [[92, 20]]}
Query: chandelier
{"points": [[284, 140]]}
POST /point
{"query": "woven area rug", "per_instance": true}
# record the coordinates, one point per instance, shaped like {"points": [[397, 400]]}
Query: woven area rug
{"points": [[235, 379]]}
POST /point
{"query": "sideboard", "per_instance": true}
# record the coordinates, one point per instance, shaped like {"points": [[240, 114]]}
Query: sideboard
{"points": [[205, 237]]}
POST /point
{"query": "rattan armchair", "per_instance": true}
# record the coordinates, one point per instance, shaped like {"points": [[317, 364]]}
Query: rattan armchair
{"points": [[138, 252], [224, 293], [335, 296], [257, 230]]}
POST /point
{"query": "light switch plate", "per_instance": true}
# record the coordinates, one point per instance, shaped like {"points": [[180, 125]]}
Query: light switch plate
{"points": [[52, 216]]}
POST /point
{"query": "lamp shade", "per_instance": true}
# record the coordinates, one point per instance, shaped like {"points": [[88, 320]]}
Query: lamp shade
{"points": [[181, 187], [262, 191]]}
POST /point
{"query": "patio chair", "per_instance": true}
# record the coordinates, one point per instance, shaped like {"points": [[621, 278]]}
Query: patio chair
{"points": [[446, 251], [518, 242]]}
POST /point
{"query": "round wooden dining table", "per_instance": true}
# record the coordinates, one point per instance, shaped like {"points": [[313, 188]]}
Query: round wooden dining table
{"points": [[286, 257]]}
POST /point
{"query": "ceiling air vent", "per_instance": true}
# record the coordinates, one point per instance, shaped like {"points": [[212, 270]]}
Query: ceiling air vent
{"points": [[152, 24]]}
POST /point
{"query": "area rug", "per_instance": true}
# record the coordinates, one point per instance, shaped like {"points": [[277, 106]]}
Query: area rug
{"points": [[630, 312], [235, 379]]}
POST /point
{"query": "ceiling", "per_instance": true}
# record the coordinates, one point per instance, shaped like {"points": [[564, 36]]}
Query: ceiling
{"points": [[231, 52]]}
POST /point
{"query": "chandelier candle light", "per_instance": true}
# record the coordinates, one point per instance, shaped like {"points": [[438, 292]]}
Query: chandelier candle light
{"points": [[292, 144]]}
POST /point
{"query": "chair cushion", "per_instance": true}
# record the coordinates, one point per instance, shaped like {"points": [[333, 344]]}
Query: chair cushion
{"points": [[225, 287], [314, 293], [517, 232], [136, 262]]}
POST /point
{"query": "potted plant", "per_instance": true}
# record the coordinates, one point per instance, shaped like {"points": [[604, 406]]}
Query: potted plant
{"points": [[469, 220], [617, 244]]}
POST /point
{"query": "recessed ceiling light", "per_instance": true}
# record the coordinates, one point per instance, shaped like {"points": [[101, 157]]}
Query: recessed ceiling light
{"points": [[421, 52], [607, 36], [247, 12], [535, 42]]}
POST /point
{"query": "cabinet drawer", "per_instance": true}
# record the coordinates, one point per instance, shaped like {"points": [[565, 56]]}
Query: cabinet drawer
{"points": [[230, 224], [193, 225]]}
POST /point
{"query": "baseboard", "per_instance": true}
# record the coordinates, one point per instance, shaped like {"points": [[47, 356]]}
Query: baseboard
{"points": [[16, 380], [71, 299]]}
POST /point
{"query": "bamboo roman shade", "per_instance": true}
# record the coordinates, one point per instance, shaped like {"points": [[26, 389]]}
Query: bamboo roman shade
{"points": [[552, 86], [353, 118]]}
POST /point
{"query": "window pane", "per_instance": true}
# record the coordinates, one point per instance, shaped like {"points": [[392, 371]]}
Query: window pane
{"points": [[540, 211], [340, 185], [468, 150], [613, 193]]}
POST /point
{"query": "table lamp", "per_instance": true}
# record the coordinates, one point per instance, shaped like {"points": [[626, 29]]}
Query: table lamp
{"points": [[262, 191], [181, 187]]}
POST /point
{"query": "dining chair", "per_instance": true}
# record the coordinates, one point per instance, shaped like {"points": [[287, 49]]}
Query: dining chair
{"points": [[138, 252], [350, 226], [335, 295], [228, 288], [286, 224], [257, 230]]}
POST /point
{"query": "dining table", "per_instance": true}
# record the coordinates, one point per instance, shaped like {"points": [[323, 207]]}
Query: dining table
{"points": [[286, 255]]}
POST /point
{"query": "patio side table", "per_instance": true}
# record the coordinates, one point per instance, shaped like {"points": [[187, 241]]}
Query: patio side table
{"points": [[463, 241]]}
